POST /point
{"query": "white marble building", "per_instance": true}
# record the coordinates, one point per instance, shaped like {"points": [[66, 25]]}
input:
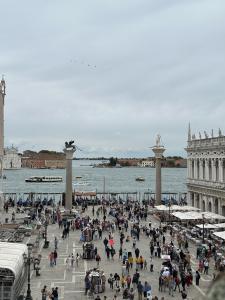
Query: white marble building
{"points": [[11, 159], [147, 163], [206, 171]]}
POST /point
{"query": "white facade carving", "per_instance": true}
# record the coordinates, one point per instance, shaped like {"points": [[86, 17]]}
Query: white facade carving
{"points": [[11, 159], [206, 172]]}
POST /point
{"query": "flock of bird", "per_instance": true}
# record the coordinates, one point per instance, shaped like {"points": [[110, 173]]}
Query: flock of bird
{"points": [[82, 63]]}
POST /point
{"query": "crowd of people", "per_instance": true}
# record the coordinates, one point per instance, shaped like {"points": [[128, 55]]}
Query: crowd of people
{"points": [[121, 227]]}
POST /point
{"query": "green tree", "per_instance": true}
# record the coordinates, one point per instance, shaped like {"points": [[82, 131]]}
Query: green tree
{"points": [[112, 161]]}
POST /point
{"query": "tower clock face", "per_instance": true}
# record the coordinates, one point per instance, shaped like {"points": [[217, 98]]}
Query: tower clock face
{"points": [[217, 289]]}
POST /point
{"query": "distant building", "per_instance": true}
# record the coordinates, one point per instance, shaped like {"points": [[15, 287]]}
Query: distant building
{"points": [[128, 162], [11, 159], [147, 163], [180, 163], [55, 163], [206, 172], [31, 163], [43, 160]]}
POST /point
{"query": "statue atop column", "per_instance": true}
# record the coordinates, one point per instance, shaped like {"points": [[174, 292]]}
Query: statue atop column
{"points": [[70, 145], [206, 135], [2, 86], [69, 150], [158, 139], [189, 132]]}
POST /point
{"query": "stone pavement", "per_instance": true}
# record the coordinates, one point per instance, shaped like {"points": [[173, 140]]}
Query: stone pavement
{"points": [[71, 281]]}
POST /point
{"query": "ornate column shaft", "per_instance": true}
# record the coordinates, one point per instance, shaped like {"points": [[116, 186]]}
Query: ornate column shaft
{"points": [[213, 166], [158, 150], [200, 169], [69, 189], [206, 169], [195, 168], [190, 168], [195, 200], [221, 170]]}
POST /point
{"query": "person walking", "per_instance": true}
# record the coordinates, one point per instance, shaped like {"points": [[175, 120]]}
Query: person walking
{"points": [[98, 259], [87, 283], [197, 278], [111, 281], [56, 243], [44, 293], [55, 255], [51, 259], [72, 261], [206, 267], [55, 294], [140, 289]]}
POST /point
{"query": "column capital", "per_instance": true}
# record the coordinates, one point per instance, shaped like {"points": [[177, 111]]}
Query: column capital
{"points": [[207, 162], [69, 152], [213, 162], [220, 161]]}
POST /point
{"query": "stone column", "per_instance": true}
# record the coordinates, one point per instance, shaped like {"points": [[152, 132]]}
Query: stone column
{"points": [[158, 150], [206, 169], [195, 169], [200, 169], [69, 189], [220, 166], [200, 202], [219, 206], [195, 203], [189, 166], [213, 166]]}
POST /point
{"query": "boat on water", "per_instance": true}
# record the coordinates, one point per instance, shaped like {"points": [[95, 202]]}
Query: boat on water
{"points": [[140, 179], [44, 179], [81, 183], [78, 177]]}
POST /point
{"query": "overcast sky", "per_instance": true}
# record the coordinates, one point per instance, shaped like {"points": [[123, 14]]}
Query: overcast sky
{"points": [[111, 74]]}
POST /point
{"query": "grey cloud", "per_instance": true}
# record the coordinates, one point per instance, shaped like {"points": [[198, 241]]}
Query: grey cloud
{"points": [[158, 64]]}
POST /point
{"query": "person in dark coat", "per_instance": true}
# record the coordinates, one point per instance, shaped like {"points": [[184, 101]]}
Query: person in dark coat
{"points": [[197, 278]]}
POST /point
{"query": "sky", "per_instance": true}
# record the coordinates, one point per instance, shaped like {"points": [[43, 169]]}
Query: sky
{"points": [[112, 74]]}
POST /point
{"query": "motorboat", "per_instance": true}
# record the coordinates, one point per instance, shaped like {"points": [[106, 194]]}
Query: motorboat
{"points": [[140, 179], [84, 183], [43, 179]]}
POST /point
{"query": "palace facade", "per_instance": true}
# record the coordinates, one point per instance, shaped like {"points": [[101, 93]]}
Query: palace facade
{"points": [[206, 172]]}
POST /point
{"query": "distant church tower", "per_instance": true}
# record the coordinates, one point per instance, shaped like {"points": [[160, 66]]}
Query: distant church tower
{"points": [[2, 100]]}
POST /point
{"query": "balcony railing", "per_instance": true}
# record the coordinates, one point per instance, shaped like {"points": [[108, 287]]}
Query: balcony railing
{"points": [[206, 183]]}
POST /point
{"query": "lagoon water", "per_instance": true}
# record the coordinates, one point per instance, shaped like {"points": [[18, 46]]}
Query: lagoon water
{"points": [[116, 179]]}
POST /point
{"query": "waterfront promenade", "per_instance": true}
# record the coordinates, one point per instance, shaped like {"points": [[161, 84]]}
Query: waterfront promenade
{"points": [[70, 281]]}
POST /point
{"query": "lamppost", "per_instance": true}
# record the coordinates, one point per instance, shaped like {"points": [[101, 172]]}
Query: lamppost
{"points": [[203, 228], [169, 204], [27, 260], [46, 242]]}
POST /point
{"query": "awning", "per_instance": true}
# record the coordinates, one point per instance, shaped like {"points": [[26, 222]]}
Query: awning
{"points": [[194, 215], [221, 234], [207, 226], [176, 208]]}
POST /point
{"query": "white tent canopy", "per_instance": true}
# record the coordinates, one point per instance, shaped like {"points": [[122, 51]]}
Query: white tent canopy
{"points": [[11, 256], [194, 215], [220, 225], [207, 226], [221, 234], [176, 208], [211, 226]]}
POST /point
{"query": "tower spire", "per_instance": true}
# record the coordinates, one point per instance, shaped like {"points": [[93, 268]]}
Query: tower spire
{"points": [[189, 131]]}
